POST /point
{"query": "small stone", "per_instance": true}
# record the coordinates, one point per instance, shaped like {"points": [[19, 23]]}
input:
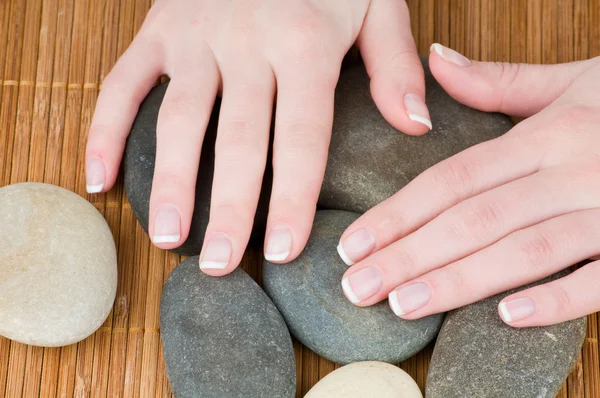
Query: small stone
{"points": [[223, 337], [58, 266], [366, 379], [309, 295], [478, 355], [368, 161]]}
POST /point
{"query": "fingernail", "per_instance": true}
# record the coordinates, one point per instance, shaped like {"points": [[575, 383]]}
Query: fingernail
{"points": [[450, 55], [279, 244], [409, 298], [95, 175], [217, 253], [517, 309], [356, 246], [362, 284], [167, 225], [417, 110]]}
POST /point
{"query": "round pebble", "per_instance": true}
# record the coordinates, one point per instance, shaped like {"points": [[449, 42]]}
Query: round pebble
{"points": [[366, 380], [223, 337], [308, 293], [58, 266]]}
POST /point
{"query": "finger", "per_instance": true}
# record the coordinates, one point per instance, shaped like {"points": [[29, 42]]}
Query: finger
{"points": [[523, 257], [570, 297], [182, 121], [123, 90], [473, 225], [475, 170], [302, 133], [397, 78], [514, 89], [240, 158]]}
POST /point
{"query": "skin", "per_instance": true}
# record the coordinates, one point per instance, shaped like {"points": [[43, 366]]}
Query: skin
{"points": [[501, 214], [255, 54]]}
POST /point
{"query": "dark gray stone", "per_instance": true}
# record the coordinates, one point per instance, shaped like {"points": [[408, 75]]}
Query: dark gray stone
{"points": [[223, 337], [478, 355], [369, 160], [308, 293]]}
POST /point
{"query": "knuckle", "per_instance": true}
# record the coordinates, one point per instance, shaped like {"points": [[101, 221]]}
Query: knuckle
{"points": [[538, 252], [453, 178], [166, 181], [238, 212], [576, 115], [405, 262], [563, 301], [476, 221], [304, 137], [177, 106]]}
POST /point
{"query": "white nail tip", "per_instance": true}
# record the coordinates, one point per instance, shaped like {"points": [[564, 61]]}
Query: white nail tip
{"points": [[166, 239], [420, 119], [504, 312], [276, 256], [94, 188], [393, 300], [344, 256], [437, 48], [348, 290], [213, 265]]}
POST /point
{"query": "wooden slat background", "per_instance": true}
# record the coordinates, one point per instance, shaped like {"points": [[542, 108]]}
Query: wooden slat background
{"points": [[53, 57]]}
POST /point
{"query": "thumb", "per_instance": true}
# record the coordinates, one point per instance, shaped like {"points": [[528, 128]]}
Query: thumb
{"points": [[513, 89], [397, 78]]}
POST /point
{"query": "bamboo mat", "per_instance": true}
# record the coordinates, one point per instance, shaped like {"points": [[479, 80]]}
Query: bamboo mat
{"points": [[53, 57]]}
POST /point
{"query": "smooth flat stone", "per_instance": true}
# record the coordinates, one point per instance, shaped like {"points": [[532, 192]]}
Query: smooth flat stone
{"points": [[368, 159], [309, 295], [478, 355], [366, 380], [58, 266], [223, 337]]}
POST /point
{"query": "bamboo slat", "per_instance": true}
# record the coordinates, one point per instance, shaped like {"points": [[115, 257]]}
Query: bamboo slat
{"points": [[53, 58]]}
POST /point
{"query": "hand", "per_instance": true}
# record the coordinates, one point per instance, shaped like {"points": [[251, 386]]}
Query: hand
{"points": [[501, 214], [249, 50]]}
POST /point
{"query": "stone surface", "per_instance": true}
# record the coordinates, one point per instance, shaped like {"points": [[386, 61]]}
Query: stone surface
{"points": [[368, 159], [308, 293], [58, 265], [366, 380], [478, 355], [223, 337]]}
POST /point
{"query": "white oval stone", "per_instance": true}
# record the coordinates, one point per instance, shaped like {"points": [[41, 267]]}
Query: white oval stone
{"points": [[58, 265], [366, 379]]}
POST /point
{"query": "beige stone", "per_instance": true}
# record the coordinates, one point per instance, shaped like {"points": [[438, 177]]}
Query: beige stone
{"points": [[58, 265], [366, 380]]}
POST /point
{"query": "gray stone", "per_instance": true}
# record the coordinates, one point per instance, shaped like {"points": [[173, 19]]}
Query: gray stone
{"points": [[309, 295], [58, 266], [223, 337], [368, 159], [478, 355]]}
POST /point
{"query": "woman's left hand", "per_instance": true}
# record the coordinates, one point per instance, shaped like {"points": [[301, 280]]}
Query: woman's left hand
{"points": [[499, 215]]}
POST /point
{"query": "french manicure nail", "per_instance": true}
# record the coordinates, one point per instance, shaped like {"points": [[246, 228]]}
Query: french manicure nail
{"points": [[356, 246], [417, 110], [362, 284], [279, 244], [517, 309], [409, 298], [95, 175], [167, 225], [217, 253], [450, 55]]}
